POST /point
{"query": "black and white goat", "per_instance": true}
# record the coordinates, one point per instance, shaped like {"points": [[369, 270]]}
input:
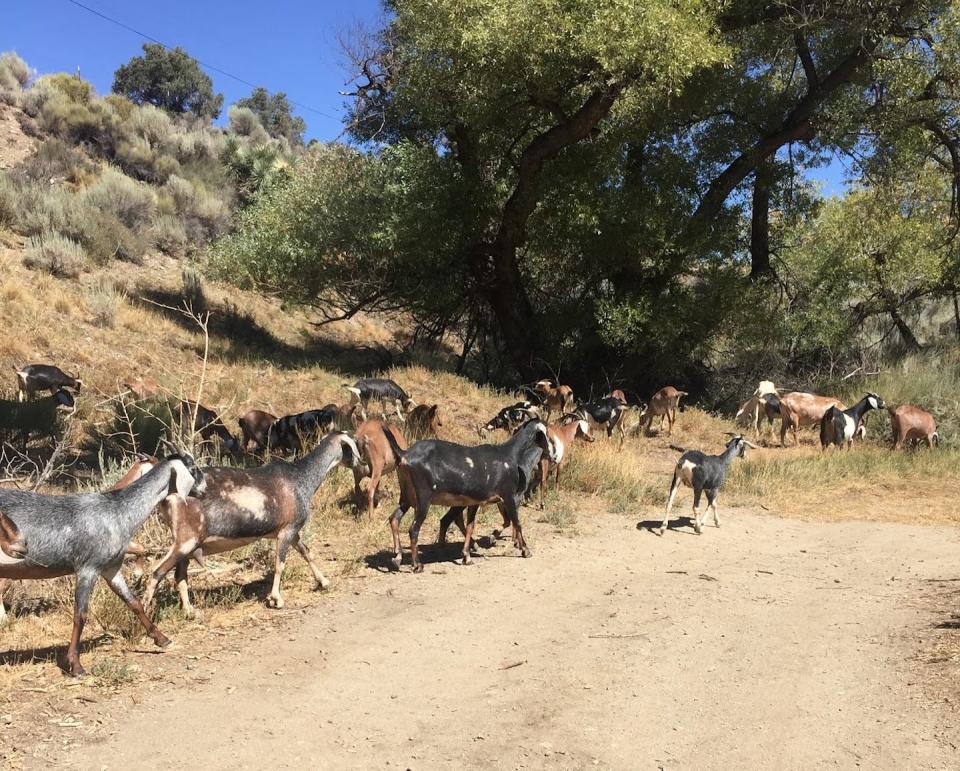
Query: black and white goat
{"points": [[291, 433], [44, 377], [381, 390], [839, 427], [607, 412], [703, 473], [510, 418], [434, 472]]}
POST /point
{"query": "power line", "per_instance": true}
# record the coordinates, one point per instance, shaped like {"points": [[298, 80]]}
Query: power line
{"points": [[152, 39]]}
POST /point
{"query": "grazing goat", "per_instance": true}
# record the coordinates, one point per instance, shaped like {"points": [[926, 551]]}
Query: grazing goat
{"points": [[383, 391], [912, 423], [434, 472], [758, 408], [557, 398], [663, 404], [423, 421], [529, 468], [206, 423], [608, 412], [510, 418], [798, 409], [242, 506], [43, 377], [840, 426], [87, 534], [41, 416], [703, 473], [255, 427], [291, 432], [376, 456], [14, 546], [142, 388], [561, 440]]}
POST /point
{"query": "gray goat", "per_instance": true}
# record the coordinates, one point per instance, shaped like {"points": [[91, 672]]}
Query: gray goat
{"points": [[704, 473], [87, 534]]}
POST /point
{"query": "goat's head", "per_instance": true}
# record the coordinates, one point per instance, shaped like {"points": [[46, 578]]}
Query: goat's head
{"points": [[187, 477], [875, 401], [434, 421], [11, 542], [350, 452], [740, 444], [408, 405], [542, 440], [584, 432]]}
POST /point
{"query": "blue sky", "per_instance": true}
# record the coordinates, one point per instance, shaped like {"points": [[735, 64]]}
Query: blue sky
{"points": [[284, 45]]}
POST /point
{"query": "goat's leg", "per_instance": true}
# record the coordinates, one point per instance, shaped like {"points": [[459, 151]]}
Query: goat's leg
{"points": [[81, 607], [120, 588], [420, 514], [468, 534], [510, 509], [506, 523], [320, 580], [183, 589], [372, 487], [544, 475], [674, 487], [177, 552], [697, 524], [394, 520], [454, 515], [285, 540], [712, 506], [3, 611]]}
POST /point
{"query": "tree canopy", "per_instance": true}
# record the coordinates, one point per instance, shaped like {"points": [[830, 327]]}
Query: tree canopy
{"points": [[612, 181], [276, 114], [168, 78]]}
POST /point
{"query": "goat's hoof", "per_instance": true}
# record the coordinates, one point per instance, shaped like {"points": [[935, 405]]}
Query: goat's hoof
{"points": [[418, 568], [662, 529], [467, 560], [274, 602], [525, 552], [75, 669], [323, 583], [395, 563], [193, 614], [161, 640], [496, 534]]}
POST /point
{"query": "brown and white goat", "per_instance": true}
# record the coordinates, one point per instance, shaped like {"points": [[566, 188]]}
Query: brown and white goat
{"points": [[561, 439], [912, 423], [423, 421], [557, 398], [255, 427], [663, 404], [376, 458], [798, 409]]}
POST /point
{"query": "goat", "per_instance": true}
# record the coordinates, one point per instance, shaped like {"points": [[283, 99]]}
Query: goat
{"points": [[14, 546], [378, 459], [557, 398], [290, 432], [510, 418], [840, 426], [206, 423], [759, 407], [423, 421], [255, 427], [798, 409], [530, 470], [87, 534], [242, 506], [663, 404], [561, 439], [619, 395], [434, 472], [703, 473], [608, 412], [344, 417], [41, 416], [43, 377], [909, 422], [380, 390], [142, 388]]}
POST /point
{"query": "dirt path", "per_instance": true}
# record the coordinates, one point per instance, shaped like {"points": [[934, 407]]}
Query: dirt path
{"points": [[767, 643]]}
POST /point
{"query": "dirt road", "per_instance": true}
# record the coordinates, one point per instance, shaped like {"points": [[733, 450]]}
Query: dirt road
{"points": [[768, 643]]}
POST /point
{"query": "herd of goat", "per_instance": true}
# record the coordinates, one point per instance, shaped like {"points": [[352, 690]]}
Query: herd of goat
{"points": [[217, 509]]}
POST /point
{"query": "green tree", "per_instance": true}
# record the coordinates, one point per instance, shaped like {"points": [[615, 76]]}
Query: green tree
{"points": [[276, 115], [168, 78]]}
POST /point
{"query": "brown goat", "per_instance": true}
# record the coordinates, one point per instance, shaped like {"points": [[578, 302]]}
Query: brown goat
{"points": [[423, 421], [376, 458], [255, 427], [142, 388], [798, 409], [557, 398], [562, 439], [663, 404], [912, 423]]}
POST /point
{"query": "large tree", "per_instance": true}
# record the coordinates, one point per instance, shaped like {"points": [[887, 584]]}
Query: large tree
{"points": [[170, 79], [276, 114]]}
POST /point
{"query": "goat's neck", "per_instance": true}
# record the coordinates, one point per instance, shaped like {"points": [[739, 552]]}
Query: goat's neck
{"points": [[728, 455], [568, 432], [313, 468], [142, 496], [858, 410]]}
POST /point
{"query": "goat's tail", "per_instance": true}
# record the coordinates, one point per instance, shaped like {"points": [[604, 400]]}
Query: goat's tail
{"points": [[936, 438], [394, 447]]}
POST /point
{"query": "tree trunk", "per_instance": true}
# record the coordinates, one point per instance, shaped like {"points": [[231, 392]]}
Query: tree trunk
{"points": [[760, 224], [906, 334]]}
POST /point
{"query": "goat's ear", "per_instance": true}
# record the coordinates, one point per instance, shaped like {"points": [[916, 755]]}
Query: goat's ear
{"points": [[433, 409]]}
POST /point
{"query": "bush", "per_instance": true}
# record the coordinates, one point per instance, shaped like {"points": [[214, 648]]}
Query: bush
{"points": [[192, 290], [14, 72], [9, 197], [153, 125], [54, 254], [132, 203], [42, 208], [107, 238], [56, 160], [244, 122], [103, 300], [169, 235]]}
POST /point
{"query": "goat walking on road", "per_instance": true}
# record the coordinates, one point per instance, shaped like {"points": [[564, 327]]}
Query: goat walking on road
{"points": [[703, 473]]}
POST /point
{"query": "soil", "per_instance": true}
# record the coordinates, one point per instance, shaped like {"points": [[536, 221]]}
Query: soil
{"points": [[769, 642]]}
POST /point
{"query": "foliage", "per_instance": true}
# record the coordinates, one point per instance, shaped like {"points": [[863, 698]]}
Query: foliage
{"points": [[275, 114], [54, 254], [168, 78], [14, 72]]}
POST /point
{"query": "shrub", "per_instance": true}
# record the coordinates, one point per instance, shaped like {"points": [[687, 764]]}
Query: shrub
{"points": [[9, 198], [53, 160], [103, 300], [54, 254], [244, 121], [72, 121], [132, 203], [169, 235], [153, 125], [107, 238], [14, 72], [40, 208], [192, 290], [74, 88]]}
